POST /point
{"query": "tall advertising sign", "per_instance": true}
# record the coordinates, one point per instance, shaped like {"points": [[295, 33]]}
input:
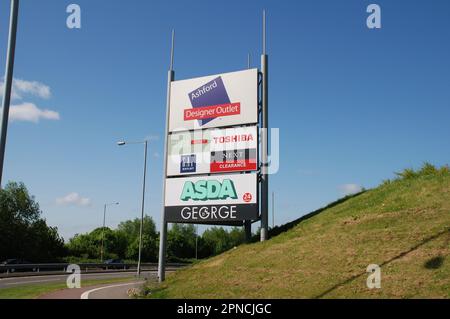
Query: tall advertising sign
{"points": [[214, 169]]}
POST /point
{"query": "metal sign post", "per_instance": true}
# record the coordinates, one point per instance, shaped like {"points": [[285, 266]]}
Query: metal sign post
{"points": [[8, 81], [264, 140], [163, 233]]}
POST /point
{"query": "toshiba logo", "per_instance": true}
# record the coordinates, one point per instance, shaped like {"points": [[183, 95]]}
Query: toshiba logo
{"points": [[234, 138]]}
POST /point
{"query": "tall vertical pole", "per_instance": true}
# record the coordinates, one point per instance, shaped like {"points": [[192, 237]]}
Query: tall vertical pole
{"points": [[142, 210], [264, 140], [163, 233], [248, 230], [273, 209], [103, 232], [8, 81], [196, 243]]}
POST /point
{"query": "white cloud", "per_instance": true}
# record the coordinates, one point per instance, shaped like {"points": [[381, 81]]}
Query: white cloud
{"points": [[349, 189], [23, 87], [73, 199], [29, 112]]}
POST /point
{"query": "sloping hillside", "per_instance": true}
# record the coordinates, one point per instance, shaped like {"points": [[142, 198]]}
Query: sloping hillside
{"points": [[403, 226]]}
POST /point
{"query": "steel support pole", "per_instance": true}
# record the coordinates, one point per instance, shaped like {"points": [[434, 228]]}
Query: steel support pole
{"points": [[103, 232], [264, 140], [163, 233], [142, 210], [196, 243], [248, 230], [8, 81], [273, 209]]}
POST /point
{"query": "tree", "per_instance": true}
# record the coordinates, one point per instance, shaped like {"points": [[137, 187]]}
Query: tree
{"points": [[181, 242], [88, 246], [131, 230], [216, 240], [24, 234], [84, 246]]}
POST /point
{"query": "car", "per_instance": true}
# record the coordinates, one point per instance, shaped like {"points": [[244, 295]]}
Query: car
{"points": [[115, 264], [5, 266]]}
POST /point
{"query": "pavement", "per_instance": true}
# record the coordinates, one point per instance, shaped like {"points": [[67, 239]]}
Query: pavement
{"points": [[107, 291]]}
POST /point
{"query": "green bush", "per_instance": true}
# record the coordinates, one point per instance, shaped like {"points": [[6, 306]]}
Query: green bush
{"points": [[427, 169]]}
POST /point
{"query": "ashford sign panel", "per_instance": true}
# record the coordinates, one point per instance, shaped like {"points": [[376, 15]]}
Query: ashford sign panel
{"points": [[213, 151], [214, 101], [207, 199]]}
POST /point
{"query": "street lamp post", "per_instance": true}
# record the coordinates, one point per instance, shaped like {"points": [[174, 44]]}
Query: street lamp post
{"points": [[103, 229], [8, 81], [145, 142]]}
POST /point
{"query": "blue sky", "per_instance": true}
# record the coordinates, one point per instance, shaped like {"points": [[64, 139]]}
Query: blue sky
{"points": [[353, 105]]}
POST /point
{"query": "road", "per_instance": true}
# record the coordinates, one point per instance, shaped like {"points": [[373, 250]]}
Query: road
{"points": [[120, 290], [21, 281]]}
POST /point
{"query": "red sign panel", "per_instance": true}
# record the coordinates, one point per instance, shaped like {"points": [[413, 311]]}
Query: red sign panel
{"points": [[208, 112], [235, 166]]}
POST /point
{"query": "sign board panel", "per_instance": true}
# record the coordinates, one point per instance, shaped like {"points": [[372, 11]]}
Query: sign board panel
{"points": [[213, 151], [206, 199], [214, 101]]}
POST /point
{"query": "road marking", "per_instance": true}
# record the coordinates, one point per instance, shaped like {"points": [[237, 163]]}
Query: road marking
{"points": [[25, 282], [118, 274], [85, 294]]}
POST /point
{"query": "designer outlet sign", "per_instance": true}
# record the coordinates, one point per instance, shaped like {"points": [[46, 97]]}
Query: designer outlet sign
{"points": [[214, 101], [206, 199], [213, 151]]}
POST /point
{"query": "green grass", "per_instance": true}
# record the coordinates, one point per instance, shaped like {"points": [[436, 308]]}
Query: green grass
{"points": [[403, 226], [33, 291]]}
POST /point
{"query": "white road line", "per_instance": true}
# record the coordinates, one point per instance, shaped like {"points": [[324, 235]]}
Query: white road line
{"points": [[85, 294], [25, 282], [82, 275]]}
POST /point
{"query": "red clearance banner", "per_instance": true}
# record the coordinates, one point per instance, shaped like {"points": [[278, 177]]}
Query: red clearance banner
{"points": [[208, 112], [233, 160], [233, 166]]}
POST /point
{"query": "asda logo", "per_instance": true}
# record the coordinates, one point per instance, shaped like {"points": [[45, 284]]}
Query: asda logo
{"points": [[210, 189]]}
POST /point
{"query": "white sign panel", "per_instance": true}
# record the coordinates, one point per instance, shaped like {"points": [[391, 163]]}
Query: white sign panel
{"points": [[213, 151], [214, 101], [205, 199]]}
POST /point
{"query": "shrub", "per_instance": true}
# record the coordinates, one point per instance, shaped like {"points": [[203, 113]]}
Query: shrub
{"points": [[444, 170], [427, 169], [407, 173]]}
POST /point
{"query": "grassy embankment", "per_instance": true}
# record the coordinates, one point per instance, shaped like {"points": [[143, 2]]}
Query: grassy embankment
{"points": [[403, 225]]}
